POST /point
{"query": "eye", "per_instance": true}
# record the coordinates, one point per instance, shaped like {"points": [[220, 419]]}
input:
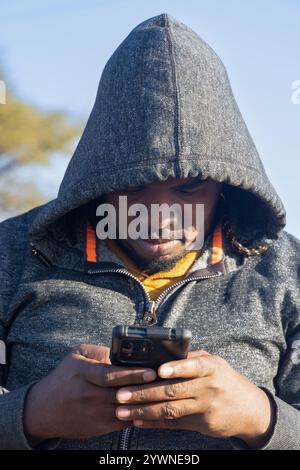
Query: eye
{"points": [[135, 189], [189, 190], [184, 191]]}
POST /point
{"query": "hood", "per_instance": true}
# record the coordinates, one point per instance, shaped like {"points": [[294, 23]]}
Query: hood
{"points": [[165, 109]]}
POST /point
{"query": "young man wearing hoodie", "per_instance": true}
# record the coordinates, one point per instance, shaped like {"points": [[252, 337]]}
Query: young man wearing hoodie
{"points": [[165, 127]]}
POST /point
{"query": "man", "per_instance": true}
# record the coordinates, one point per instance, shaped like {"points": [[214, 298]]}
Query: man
{"points": [[165, 128]]}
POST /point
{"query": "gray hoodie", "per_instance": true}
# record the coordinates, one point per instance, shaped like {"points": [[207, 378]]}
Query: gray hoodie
{"points": [[164, 109]]}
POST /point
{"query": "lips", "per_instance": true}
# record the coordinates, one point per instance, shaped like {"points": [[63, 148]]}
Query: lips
{"points": [[158, 242], [156, 247]]}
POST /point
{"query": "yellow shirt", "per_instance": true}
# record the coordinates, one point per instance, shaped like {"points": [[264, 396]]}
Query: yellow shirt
{"points": [[157, 282]]}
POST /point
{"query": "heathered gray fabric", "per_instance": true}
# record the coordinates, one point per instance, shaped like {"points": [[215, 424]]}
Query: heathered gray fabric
{"points": [[164, 109]]}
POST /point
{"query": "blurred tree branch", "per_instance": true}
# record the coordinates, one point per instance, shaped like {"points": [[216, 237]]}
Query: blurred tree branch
{"points": [[29, 135]]}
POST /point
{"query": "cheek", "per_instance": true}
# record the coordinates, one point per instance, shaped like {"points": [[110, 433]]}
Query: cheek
{"points": [[208, 206]]}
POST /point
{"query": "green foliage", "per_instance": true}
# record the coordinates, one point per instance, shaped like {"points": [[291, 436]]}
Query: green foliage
{"points": [[29, 135]]}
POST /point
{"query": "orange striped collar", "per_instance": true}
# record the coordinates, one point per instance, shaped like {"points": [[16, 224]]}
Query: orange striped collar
{"points": [[91, 243]]}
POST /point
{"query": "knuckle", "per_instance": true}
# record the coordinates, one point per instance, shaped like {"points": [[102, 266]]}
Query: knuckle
{"points": [[139, 412], [180, 368], [216, 390], [210, 419], [173, 390], [140, 394], [219, 364], [203, 361], [199, 362], [215, 386], [96, 374], [217, 359], [169, 411], [106, 376], [170, 391], [212, 425], [80, 350]]}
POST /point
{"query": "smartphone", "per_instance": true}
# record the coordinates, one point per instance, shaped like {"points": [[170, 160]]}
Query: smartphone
{"points": [[148, 346]]}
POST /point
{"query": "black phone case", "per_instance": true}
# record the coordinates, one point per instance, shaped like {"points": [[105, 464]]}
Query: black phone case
{"points": [[162, 345]]}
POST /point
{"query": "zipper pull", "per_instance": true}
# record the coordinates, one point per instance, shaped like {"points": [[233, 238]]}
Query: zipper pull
{"points": [[150, 317], [37, 253]]}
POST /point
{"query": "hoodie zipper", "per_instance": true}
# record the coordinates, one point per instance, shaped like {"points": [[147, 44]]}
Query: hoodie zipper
{"points": [[149, 318], [125, 438]]}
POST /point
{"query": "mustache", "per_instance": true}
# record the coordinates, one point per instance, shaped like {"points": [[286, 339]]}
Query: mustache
{"points": [[162, 234]]}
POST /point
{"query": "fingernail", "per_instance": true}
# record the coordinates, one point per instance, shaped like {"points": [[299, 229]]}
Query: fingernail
{"points": [[166, 371], [123, 413], [149, 375], [124, 395]]}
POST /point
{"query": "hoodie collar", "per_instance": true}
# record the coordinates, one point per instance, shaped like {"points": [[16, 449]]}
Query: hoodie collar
{"points": [[98, 255], [86, 251]]}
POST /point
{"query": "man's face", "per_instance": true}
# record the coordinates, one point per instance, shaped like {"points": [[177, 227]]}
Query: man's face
{"points": [[153, 255]]}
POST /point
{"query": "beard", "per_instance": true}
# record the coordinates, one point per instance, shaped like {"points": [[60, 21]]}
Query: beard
{"points": [[150, 266]]}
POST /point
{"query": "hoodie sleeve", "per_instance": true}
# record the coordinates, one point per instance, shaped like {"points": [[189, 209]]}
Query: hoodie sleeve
{"points": [[286, 431], [12, 436], [12, 402], [11, 405]]}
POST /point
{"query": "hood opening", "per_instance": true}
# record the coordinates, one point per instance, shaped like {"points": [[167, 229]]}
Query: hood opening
{"points": [[164, 109]]}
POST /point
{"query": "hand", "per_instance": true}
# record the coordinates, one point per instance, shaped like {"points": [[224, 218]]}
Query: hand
{"points": [[205, 394], [78, 398]]}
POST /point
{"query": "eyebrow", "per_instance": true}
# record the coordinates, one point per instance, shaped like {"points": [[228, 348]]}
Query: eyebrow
{"points": [[189, 185]]}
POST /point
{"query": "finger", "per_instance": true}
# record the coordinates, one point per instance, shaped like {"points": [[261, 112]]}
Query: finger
{"points": [[159, 391], [164, 410], [191, 422], [197, 366], [93, 352], [113, 376]]}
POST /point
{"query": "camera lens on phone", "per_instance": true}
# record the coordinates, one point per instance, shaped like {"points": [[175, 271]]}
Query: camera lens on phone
{"points": [[134, 350]]}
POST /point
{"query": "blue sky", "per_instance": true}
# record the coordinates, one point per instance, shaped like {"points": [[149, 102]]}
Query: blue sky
{"points": [[55, 51]]}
